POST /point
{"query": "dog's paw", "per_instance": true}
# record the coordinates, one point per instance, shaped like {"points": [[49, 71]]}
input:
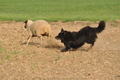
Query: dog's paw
{"points": [[64, 50]]}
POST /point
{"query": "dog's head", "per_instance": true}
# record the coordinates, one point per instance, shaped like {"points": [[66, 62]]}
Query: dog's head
{"points": [[27, 23], [61, 34]]}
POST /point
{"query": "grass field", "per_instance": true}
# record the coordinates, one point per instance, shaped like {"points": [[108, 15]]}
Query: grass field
{"points": [[64, 10]]}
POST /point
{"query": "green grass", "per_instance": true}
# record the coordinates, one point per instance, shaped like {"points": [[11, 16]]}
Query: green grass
{"points": [[7, 57], [64, 10], [58, 58], [1, 62], [1, 48], [14, 52]]}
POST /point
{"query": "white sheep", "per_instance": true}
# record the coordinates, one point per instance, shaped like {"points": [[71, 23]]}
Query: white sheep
{"points": [[37, 28]]}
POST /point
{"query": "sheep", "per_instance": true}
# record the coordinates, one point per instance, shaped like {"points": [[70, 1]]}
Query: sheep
{"points": [[37, 28]]}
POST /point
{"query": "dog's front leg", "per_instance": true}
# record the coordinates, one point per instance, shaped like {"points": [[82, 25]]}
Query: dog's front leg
{"points": [[66, 49]]}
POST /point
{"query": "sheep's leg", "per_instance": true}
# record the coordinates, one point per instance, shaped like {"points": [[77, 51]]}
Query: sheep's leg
{"points": [[28, 40], [50, 34], [23, 42], [40, 39]]}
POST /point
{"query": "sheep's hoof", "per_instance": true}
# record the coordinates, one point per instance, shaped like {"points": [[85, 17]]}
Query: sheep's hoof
{"points": [[22, 42]]}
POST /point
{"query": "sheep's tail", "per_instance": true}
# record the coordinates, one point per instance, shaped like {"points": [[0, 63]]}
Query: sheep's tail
{"points": [[100, 27]]}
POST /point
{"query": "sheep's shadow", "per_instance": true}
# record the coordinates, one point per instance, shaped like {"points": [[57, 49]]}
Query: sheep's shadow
{"points": [[43, 45], [30, 43]]}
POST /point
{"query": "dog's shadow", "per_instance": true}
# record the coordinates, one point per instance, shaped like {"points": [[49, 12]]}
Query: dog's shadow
{"points": [[52, 47], [62, 47], [79, 49]]}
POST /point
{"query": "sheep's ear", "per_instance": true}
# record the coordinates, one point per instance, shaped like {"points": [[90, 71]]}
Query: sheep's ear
{"points": [[62, 30], [26, 21]]}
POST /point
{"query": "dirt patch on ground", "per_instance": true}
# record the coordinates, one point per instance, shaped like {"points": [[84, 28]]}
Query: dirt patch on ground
{"points": [[35, 62]]}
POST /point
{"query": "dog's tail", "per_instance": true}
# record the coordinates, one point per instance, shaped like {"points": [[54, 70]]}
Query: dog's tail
{"points": [[100, 27]]}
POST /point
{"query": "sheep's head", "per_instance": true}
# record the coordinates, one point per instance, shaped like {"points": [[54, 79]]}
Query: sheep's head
{"points": [[27, 23]]}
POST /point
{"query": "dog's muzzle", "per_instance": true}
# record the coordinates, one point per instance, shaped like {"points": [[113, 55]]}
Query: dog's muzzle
{"points": [[57, 38]]}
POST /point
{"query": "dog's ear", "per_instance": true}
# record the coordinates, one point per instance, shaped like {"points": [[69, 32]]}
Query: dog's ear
{"points": [[62, 30], [26, 21]]}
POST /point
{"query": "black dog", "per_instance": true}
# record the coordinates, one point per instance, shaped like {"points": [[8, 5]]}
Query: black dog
{"points": [[77, 39]]}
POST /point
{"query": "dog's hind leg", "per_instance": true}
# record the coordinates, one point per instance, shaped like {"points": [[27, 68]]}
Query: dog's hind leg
{"points": [[92, 41], [91, 45]]}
